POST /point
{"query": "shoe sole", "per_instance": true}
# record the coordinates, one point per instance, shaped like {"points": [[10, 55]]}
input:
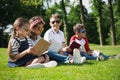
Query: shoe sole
{"points": [[38, 65], [100, 58], [83, 59], [50, 64], [76, 56]]}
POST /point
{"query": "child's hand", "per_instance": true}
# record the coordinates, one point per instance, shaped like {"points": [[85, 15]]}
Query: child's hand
{"points": [[96, 52], [30, 50], [67, 48], [46, 58]]}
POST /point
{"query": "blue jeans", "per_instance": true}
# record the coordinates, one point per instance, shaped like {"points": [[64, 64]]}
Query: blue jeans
{"points": [[105, 56], [58, 57], [88, 57]]}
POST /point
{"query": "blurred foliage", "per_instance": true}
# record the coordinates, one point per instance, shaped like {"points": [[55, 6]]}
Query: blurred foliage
{"points": [[11, 9]]}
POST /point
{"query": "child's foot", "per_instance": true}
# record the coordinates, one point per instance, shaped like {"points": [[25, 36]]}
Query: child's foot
{"points": [[100, 58], [50, 64], [83, 59], [37, 65], [77, 58], [117, 56]]}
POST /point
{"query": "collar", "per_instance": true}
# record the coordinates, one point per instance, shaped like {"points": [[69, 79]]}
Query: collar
{"points": [[55, 31]]}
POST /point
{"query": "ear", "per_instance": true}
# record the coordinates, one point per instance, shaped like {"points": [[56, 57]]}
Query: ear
{"points": [[60, 23], [50, 24]]}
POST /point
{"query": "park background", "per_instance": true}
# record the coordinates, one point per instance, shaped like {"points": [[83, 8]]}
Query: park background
{"points": [[102, 23], [101, 18]]}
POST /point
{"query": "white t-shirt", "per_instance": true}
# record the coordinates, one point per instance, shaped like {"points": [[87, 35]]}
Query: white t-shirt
{"points": [[35, 41], [56, 39], [82, 43]]}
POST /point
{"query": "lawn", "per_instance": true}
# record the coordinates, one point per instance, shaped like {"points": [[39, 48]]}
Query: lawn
{"points": [[90, 70]]}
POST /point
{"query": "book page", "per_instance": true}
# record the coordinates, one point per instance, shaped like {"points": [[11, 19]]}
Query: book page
{"points": [[41, 46]]}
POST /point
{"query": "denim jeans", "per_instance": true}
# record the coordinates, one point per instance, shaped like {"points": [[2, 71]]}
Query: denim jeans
{"points": [[88, 57], [105, 56], [58, 57]]}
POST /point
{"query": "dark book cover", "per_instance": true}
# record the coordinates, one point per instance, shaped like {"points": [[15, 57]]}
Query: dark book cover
{"points": [[73, 45]]}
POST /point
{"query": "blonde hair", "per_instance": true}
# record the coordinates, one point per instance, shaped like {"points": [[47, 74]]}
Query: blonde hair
{"points": [[21, 22], [56, 15], [18, 22]]}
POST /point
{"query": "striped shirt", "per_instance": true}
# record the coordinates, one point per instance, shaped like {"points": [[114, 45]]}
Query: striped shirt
{"points": [[16, 44]]}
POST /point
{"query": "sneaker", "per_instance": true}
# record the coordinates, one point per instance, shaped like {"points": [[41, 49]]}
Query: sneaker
{"points": [[37, 65], [117, 56], [100, 58], [50, 64], [76, 56], [83, 59]]}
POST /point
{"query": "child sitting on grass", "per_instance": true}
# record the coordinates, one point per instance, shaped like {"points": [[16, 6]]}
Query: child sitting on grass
{"points": [[80, 37], [20, 47]]}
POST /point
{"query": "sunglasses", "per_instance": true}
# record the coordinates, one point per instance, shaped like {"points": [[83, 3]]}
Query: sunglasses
{"points": [[81, 31], [40, 28], [57, 21]]}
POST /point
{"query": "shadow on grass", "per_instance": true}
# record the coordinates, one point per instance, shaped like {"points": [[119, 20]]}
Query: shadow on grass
{"points": [[72, 64]]}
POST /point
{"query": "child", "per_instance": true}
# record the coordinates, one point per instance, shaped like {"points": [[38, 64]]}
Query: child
{"points": [[56, 37], [80, 36], [20, 47], [36, 27]]}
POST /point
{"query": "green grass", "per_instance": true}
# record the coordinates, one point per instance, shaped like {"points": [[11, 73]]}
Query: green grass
{"points": [[90, 70]]}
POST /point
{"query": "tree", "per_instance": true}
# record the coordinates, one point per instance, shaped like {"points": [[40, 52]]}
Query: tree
{"points": [[82, 12], [65, 21], [116, 7], [97, 8], [112, 27]]}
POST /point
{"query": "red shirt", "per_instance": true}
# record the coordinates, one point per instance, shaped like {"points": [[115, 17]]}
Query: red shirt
{"points": [[87, 48]]}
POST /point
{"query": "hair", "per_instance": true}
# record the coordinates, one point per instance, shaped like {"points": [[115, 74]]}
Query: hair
{"points": [[35, 22], [78, 27], [19, 22], [56, 15]]}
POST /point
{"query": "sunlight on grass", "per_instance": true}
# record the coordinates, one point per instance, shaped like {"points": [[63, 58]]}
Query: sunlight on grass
{"points": [[90, 70]]}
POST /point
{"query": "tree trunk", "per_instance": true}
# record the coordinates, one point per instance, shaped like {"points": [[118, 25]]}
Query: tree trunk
{"points": [[100, 22], [112, 27], [82, 12], [65, 22]]}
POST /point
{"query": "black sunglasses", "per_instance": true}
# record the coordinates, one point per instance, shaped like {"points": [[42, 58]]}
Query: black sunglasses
{"points": [[81, 31], [57, 21]]}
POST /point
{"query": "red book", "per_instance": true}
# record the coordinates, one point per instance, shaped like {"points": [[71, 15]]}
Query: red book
{"points": [[74, 45]]}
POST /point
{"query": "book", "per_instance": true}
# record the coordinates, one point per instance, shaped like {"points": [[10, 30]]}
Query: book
{"points": [[74, 45], [41, 47]]}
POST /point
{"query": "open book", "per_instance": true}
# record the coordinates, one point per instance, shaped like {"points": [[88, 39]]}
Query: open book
{"points": [[41, 47], [74, 45]]}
